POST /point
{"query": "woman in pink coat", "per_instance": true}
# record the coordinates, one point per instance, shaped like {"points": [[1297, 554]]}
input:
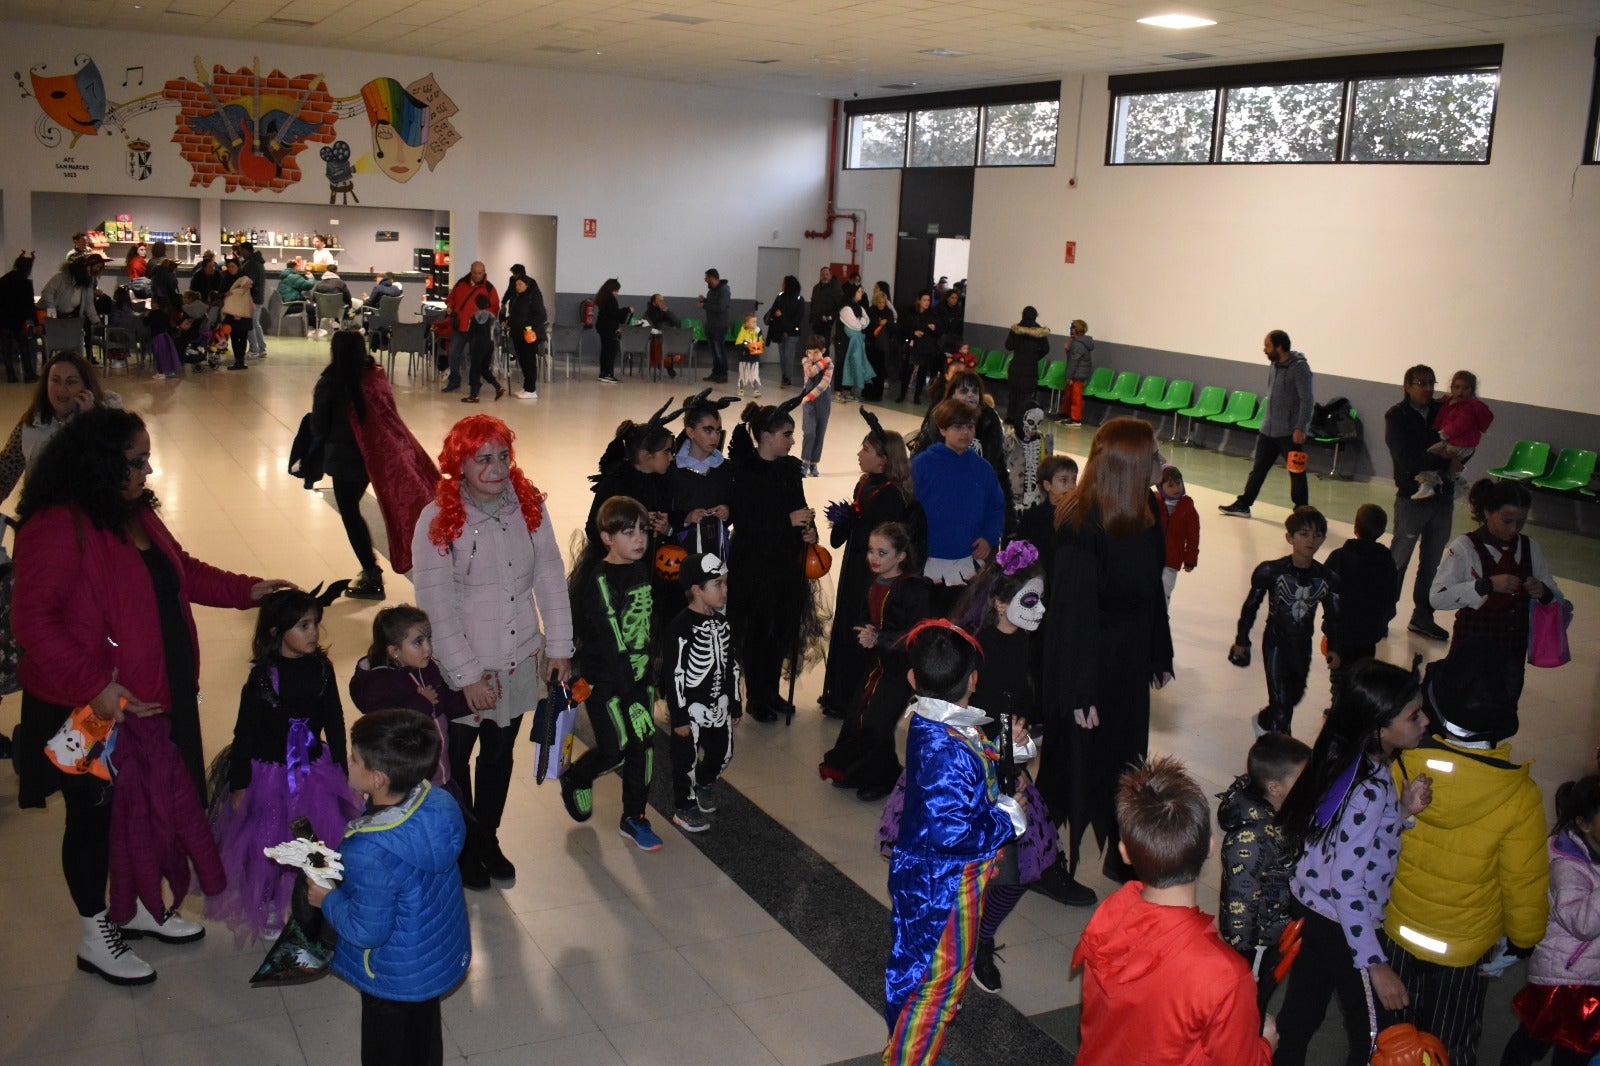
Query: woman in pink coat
{"points": [[101, 609]]}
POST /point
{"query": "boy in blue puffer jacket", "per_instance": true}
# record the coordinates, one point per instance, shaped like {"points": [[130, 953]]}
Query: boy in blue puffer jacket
{"points": [[401, 920]]}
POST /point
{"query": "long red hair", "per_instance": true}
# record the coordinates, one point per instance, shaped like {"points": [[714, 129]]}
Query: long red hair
{"points": [[461, 444], [1115, 485]]}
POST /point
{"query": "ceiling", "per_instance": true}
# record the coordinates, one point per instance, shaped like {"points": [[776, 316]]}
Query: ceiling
{"points": [[832, 47]]}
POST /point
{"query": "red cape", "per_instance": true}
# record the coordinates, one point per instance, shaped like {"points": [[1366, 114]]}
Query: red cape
{"points": [[404, 477]]}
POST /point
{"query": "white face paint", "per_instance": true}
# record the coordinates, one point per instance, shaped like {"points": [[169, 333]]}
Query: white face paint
{"points": [[1026, 609], [1032, 420]]}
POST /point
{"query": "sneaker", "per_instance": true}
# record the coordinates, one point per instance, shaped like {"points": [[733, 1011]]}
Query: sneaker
{"points": [[689, 819], [238, 366], [704, 799], [579, 802], [638, 830], [741, 392], [1427, 627], [1062, 887], [368, 585], [1235, 510], [499, 391], [102, 950], [524, 394], [470, 399], [1256, 727], [608, 379], [985, 974], [171, 928], [757, 394]]}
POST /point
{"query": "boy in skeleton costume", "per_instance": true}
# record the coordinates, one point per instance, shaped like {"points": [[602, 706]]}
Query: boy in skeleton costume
{"points": [[1024, 449], [702, 690]]}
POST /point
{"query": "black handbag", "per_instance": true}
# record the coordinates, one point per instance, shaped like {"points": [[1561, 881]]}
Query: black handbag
{"points": [[305, 454]]}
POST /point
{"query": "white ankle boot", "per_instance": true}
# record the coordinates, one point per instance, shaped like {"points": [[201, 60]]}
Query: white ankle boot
{"points": [[103, 951], [170, 928]]}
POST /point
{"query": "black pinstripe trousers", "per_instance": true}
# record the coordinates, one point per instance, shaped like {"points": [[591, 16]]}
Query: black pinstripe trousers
{"points": [[1446, 1001]]}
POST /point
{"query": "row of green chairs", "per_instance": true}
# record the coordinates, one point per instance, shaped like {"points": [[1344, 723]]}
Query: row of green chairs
{"points": [[992, 365], [1530, 462]]}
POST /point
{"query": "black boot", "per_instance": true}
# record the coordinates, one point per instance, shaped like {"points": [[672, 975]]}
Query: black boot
{"points": [[1057, 883], [473, 875], [495, 862], [368, 585]]}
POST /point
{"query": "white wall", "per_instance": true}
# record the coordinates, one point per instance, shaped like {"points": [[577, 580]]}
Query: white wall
{"points": [[679, 178], [1370, 268]]}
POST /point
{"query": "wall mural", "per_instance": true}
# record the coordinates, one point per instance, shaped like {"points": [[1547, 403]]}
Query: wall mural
{"points": [[247, 128]]}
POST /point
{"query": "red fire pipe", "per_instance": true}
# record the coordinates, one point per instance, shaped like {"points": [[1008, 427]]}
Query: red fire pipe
{"points": [[833, 148]]}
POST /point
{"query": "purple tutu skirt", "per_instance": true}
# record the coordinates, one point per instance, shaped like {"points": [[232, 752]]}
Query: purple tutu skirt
{"points": [[1037, 848], [256, 900]]}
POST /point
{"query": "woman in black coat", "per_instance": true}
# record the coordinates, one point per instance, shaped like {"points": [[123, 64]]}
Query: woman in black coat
{"points": [[784, 320], [1106, 637], [335, 401], [608, 319], [1030, 343], [881, 495], [529, 323]]}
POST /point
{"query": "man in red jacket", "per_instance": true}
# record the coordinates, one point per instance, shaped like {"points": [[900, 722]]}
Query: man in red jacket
{"points": [[1159, 985], [463, 303]]}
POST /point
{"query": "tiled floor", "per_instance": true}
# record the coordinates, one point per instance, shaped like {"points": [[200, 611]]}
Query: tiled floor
{"points": [[600, 953]]}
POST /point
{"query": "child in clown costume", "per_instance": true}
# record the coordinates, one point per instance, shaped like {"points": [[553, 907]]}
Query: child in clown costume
{"points": [[955, 823]]}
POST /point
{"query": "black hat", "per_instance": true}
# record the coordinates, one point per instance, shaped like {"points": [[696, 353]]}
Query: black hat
{"points": [[699, 568], [1466, 695]]}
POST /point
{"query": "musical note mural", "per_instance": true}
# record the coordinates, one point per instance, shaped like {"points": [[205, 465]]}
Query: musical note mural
{"points": [[247, 127]]}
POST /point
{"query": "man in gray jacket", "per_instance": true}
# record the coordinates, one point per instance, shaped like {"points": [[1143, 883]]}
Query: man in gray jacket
{"points": [[717, 302], [1283, 427]]}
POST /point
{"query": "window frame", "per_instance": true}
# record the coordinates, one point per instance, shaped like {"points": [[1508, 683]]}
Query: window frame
{"points": [[1591, 143], [982, 99], [1350, 70]]}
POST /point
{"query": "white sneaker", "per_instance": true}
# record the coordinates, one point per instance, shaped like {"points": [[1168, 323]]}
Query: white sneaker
{"points": [[524, 394], [103, 951], [171, 928]]}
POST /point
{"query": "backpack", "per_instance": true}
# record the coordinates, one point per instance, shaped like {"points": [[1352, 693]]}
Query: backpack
{"points": [[1335, 419]]}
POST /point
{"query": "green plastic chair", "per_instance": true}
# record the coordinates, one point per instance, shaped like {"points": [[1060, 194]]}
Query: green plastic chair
{"points": [[1150, 391], [1126, 388], [1053, 379], [1529, 459], [1574, 467], [1241, 405], [1254, 421], [1179, 394], [1099, 384], [989, 363], [1005, 366], [1212, 399]]}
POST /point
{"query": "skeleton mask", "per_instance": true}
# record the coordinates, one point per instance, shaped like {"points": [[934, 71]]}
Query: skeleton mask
{"points": [[1026, 609], [1031, 421]]}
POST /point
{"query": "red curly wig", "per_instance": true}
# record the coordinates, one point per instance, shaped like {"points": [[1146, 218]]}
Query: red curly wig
{"points": [[461, 444]]}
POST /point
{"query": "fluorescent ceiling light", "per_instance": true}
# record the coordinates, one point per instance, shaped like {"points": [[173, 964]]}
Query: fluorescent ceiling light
{"points": [[1177, 22], [684, 20], [946, 52]]}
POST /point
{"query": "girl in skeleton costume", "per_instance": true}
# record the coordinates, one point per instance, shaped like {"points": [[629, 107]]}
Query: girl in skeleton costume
{"points": [[881, 495], [770, 601], [702, 690], [611, 615], [864, 757], [700, 479], [1023, 451]]}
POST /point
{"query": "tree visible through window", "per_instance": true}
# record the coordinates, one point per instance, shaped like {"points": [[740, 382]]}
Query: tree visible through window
{"points": [[1164, 127], [1282, 123], [1020, 134], [1436, 118], [878, 140], [947, 137]]}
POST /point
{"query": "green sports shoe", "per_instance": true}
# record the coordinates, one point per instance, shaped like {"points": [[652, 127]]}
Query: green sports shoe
{"points": [[578, 801]]}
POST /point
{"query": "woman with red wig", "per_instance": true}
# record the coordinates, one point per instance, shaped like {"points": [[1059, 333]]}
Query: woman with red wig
{"points": [[488, 571]]}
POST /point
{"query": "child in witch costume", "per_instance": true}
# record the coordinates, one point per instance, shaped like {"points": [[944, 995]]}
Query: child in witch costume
{"points": [[863, 757], [770, 601], [955, 822], [702, 691], [287, 761], [612, 611], [882, 494], [635, 464], [700, 479]]}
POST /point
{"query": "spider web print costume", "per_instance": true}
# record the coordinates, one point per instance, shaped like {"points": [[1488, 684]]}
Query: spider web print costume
{"points": [[612, 620], [703, 694], [1292, 595]]}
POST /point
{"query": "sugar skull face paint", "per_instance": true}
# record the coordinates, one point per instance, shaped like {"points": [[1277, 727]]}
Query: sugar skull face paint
{"points": [[1026, 609]]}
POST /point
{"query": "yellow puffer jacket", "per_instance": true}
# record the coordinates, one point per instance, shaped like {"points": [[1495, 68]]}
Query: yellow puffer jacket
{"points": [[1475, 867]]}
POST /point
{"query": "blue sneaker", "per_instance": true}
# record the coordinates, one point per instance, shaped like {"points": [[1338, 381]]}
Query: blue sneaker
{"points": [[638, 830], [705, 799]]}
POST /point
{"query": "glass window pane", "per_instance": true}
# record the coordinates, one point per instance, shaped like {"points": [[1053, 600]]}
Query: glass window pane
{"points": [[945, 138], [877, 141], [1164, 127], [1282, 123], [1437, 117], [1020, 134]]}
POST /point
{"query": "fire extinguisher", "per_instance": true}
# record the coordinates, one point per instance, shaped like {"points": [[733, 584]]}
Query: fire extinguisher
{"points": [[586, 311]]}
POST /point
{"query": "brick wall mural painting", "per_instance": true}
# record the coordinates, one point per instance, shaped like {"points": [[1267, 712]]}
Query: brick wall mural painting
{"points": [[248, 128]]}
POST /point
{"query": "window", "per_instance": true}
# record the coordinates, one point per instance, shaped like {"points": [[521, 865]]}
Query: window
{"points": [[1020, 134], [1442, 118], [1282, 123], [877, 141], [1402, 107], [1164, 127], [1591, 151], [945, 138], [995, 126]]}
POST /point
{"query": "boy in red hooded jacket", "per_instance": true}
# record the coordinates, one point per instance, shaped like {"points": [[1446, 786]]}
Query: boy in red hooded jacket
{"points": [[1159, 985]]}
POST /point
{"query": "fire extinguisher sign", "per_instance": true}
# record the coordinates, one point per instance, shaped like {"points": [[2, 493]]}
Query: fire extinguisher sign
{"points": [[591, 227]]}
